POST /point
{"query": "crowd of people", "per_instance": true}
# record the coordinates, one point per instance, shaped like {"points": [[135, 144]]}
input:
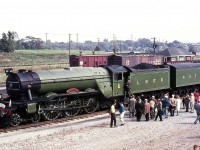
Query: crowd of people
{"points": [[161, 107]]}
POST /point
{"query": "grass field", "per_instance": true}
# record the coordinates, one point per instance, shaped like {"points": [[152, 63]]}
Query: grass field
{"points": [[37, 59], [33, 57]]}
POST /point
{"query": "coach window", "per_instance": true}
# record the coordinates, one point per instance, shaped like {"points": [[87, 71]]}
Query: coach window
{"points": [[187, 58], [181, 58], [165, 59], [173, 59]]}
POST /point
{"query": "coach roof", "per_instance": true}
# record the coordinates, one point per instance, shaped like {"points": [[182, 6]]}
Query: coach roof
{"points": [[185, 65], [116, 68]]}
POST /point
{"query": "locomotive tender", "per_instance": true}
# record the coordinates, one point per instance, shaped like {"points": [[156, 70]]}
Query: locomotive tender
{"points": [[69, 91]]}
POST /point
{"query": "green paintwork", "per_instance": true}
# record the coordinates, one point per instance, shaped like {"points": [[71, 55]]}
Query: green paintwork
{"points": [[73, 77], [105, 86], [31, 108], [118, 88], [151, 80], [187, 76]]}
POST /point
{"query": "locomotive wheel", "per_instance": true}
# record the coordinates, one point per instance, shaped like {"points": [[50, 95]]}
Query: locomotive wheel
{"points": [[15, 120], [35, 118], [74, 107], [51, 114], [92, 104]]}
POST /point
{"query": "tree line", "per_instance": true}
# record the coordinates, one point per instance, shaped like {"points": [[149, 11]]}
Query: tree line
{"points": [[10, 42]]}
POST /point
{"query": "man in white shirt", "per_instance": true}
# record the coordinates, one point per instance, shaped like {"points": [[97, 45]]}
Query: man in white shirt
{"points": [[113, 116]]}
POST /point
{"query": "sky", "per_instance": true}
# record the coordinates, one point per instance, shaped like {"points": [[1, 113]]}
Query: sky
{"points": [[167, 20]]}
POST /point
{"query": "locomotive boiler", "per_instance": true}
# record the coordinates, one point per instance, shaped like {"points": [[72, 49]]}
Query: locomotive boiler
{"points": [[27, 84]]}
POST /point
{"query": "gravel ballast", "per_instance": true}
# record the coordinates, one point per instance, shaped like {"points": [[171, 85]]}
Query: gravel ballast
{"points": [[178, 132]]}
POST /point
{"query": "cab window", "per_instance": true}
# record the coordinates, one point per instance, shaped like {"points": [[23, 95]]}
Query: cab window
{"points": [[117, 76]]}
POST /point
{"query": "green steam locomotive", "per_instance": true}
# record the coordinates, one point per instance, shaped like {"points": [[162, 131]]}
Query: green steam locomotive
{"points": [[67, 92]]}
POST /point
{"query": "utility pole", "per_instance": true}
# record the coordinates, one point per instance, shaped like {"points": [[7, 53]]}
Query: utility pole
{"points": [[46, 39], [98, 41], [114, 44], [77, 41], [69, 46], [120, 46], [154, 45]]}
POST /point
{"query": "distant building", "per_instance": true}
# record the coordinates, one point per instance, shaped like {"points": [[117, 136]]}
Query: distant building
{"points": [[130, 48], [195, 49], [176, 55]]}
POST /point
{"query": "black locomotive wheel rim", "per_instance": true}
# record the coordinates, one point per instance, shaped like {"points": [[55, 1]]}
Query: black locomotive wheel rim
{"points": [[92, 104], [15, 120], [74, 110]]}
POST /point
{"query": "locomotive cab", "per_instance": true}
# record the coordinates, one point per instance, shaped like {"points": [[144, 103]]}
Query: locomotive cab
{"points": [[118, 79]]}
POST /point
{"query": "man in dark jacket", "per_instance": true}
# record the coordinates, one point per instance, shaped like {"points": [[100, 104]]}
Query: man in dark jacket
{"points": [[139, 107], [165, 104], [131, 107], [5, 116], [128, 87], [159, 110], [187, 101]]}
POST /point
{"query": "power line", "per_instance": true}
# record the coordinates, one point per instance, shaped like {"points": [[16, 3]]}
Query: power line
{"points": [[69, 46], [77, 41]]}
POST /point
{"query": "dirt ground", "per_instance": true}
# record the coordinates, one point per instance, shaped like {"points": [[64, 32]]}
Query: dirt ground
{"points": [[173, 133]]}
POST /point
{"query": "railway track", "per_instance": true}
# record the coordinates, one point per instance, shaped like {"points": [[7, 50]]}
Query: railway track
{"points": [[44, 123]]}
